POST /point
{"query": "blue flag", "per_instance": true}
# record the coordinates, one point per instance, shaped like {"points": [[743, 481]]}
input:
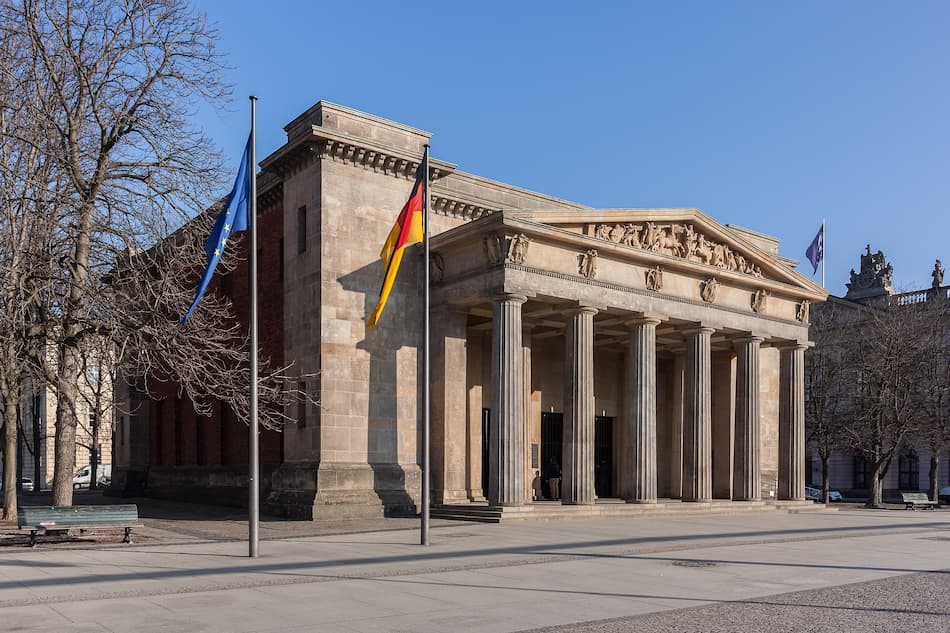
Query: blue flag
{"points": [[232, 219], [816, 251]]}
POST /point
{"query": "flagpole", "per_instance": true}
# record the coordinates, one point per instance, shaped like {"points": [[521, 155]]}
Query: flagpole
{"points": [[824, 241], [253, 485], [426, 487]]}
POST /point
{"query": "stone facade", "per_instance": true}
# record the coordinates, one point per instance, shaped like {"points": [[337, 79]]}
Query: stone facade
{"points": [[642, 349]]}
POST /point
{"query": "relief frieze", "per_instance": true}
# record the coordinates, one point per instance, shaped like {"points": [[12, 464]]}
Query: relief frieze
{"points": [[679, 240]]}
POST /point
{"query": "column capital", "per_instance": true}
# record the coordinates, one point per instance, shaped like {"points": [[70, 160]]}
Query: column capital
{"points": [[794, 345], [698, 328], [507, 297], [645, 318], [581, 308], [746, 339]]}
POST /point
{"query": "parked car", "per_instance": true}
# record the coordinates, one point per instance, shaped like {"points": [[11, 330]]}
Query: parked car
{"points": [[943, 495], [81, 480], [815, 494], [26, 484]]}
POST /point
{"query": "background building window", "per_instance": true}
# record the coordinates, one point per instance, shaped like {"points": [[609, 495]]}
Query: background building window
{"points": [[862, 472], [908, 465]]}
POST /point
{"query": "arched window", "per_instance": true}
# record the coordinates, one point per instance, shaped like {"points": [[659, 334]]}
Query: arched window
{"points": [[909, 466]]}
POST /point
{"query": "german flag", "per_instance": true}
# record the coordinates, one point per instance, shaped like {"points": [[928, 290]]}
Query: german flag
{"points": [[407, 230]]}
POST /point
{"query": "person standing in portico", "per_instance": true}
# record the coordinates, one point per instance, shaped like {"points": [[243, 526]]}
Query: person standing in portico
{"points": [[553, 477]]}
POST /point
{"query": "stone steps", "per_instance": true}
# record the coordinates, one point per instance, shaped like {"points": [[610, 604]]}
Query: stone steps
{"points": [[550, 511]]}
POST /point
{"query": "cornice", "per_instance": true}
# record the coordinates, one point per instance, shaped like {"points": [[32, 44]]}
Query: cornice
{"points": [[331, 144]]}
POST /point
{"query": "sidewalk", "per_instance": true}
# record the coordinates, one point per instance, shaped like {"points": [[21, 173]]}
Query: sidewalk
{"points": [[505, 577]]}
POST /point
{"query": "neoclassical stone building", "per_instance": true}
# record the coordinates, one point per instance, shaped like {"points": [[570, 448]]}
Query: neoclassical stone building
{"points": [[653, 353]]}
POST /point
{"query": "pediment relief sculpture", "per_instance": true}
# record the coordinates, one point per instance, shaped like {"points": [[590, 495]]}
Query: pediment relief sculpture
{"points": [[654, 279], [759, 298], [587, 264], [677, 239], [709, 290]]}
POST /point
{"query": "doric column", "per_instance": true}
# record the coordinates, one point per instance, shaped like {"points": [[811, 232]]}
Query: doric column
{"points": [[577, 485], [506, 449], [676, 421], [697, 416], [746, 484], [791, 422], [641, 422], [448, 358]]}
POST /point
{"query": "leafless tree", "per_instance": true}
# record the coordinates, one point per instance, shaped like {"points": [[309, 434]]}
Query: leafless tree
{"points": [[826, 379], [934, 385], [115, 84], [27, 218], [887, 356]]}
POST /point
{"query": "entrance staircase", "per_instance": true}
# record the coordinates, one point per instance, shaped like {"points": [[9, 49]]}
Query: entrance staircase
{"points": [[481, 512]]}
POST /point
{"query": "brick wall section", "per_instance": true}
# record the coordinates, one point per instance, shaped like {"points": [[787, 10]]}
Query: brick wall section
{"points": [[224, 438]]}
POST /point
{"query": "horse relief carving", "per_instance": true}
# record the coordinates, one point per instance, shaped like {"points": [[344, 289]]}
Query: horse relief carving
{"points": [[678, 240]]}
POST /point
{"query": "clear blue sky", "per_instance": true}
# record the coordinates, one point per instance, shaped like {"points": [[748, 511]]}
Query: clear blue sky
{"points": [[770, 115]]}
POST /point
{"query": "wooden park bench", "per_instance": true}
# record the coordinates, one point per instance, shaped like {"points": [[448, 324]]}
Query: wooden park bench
{"points": [[54, 519], [913, 500]]}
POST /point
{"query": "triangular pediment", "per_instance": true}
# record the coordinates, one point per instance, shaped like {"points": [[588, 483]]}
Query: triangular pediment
{"points": [[681, 237]]}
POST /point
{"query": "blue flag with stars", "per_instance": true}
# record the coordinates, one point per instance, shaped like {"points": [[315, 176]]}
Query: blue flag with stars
{"points": [[232, 219]]}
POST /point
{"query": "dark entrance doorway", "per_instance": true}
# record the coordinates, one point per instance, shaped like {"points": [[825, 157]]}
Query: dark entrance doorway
{"points": [[486, 442], [552, 438], [603, 455]]}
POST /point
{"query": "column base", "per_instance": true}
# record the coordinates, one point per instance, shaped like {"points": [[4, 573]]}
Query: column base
{"points": [[312, 491]]}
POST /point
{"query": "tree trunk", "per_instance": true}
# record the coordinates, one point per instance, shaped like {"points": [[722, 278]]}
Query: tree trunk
{"points": [[874, 500], [934, 469], [9, 458], [66, 397], [825, 485], [38, 476]]}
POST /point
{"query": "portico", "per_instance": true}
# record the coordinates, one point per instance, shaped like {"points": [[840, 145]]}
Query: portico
{"points": [[672, 376]]}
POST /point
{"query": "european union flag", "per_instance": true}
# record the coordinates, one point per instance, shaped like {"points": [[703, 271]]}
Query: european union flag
{"points": [[816, 250], [232, 219]]}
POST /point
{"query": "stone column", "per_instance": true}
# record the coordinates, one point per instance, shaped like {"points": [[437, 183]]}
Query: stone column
{"points": [[791, 422], [506, 450], [641, 422], [449, 420], [676, 432], [530, 420], [577, 479], [746, 483], [475, 380], [697, 416]]}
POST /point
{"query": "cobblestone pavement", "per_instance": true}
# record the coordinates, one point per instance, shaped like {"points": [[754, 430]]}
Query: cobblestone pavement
{"points": [[913, 602]]}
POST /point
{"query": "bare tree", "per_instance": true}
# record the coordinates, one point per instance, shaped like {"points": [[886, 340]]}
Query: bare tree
{"points": [[826, 379], [27, 215], [934, 385], [887, 355], [115, 85]]}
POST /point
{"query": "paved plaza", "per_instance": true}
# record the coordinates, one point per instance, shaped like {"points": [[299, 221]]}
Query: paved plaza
{"points": [[770, 571]]}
